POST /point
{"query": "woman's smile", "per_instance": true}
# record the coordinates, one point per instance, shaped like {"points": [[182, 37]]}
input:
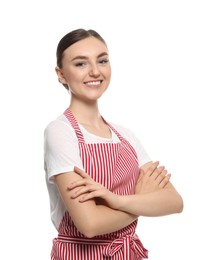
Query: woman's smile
{"points": [[93, 84]]}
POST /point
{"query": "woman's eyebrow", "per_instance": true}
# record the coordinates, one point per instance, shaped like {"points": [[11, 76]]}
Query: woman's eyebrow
{"points": [[102, 54], [81, 57]]}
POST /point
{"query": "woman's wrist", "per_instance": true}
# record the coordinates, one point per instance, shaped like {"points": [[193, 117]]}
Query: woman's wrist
{"points": [[121, 202], [126, 203]]}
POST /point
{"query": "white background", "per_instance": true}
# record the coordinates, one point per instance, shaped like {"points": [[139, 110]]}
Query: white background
{"points": [[157, 55]]}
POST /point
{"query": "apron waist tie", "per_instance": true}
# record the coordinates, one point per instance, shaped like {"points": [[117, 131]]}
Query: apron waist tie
{"points": [[126, 243]]}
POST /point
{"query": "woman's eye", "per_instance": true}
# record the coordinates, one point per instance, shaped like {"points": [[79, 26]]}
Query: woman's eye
{"points": [[80, 64], [103, 61]]}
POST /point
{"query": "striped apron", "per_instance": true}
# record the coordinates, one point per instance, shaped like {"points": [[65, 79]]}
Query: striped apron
{"points": [[115, 166]]}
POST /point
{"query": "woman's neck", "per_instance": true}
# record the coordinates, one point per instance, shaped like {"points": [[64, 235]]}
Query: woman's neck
{"points": [[86, 114], [89, 117]]}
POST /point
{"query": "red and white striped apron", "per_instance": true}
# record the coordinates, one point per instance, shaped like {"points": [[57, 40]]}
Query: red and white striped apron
{"points": [[115, 166]]}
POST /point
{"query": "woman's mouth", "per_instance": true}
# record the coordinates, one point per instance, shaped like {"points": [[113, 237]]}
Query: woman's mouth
{"points": [[93, 84]]}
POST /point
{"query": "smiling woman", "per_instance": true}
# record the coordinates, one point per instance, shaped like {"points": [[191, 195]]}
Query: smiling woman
{"points": [[84, 68], [99, 176], [78, 55]]}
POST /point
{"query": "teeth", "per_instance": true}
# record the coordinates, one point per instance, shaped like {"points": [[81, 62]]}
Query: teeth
{"points": [[93, 83]]}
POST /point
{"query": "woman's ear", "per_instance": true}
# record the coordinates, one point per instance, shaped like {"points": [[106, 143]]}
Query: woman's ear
{"points": [[60, 75]]}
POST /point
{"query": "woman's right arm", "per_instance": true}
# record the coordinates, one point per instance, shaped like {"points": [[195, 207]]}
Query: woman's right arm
{"points": [[89, 218]]}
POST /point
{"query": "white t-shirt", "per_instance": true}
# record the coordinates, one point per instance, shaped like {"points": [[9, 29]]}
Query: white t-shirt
{"points": [[61, 154]]}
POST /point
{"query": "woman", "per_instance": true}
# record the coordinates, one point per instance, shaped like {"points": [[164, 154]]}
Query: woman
{"points": [[99, 177]]}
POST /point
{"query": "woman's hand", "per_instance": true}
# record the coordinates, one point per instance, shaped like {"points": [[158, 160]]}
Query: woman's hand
{"points": [[88, 189], [154, 178]]}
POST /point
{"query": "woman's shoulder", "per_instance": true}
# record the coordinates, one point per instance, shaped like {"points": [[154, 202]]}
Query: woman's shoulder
{"points": [[58, 125]]}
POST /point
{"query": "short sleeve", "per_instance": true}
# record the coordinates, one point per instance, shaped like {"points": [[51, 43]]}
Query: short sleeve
{"points": [[61, 151], [143, 156]]}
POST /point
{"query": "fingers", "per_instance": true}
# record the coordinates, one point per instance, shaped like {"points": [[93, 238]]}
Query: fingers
{"points": [[84, 190], [76, 184], [90, 195], [154, 177], [83, 186], [159, 172], [156, 172], [152, 168], [79, 192], [86, 179], [164, 181], [80, 172], [153, 171]]}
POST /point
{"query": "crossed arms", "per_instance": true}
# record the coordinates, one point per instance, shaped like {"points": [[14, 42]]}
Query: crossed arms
{"points": [[154, 196]]}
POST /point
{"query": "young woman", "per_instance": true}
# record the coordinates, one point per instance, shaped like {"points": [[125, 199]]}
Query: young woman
{"points": [[99, 177]]}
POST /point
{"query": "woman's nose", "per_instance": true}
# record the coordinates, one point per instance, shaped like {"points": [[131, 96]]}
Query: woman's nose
{"points": [[94, 71]]}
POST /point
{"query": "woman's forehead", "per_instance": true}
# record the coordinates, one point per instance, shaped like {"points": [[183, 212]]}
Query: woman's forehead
{"points": [[90, 46]]}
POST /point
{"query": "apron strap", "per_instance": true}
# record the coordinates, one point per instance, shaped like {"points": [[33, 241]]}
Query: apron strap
{"points": [[114, 130], [74, 124]]}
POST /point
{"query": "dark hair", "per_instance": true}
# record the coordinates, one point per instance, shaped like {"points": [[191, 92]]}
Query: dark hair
{"points": [[71, 38]]}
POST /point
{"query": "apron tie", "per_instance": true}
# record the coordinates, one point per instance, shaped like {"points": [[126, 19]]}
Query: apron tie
{"points": [[126, 243]]}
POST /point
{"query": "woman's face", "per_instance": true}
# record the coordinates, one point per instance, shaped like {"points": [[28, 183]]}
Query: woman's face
{"points": [[86, 69]]}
